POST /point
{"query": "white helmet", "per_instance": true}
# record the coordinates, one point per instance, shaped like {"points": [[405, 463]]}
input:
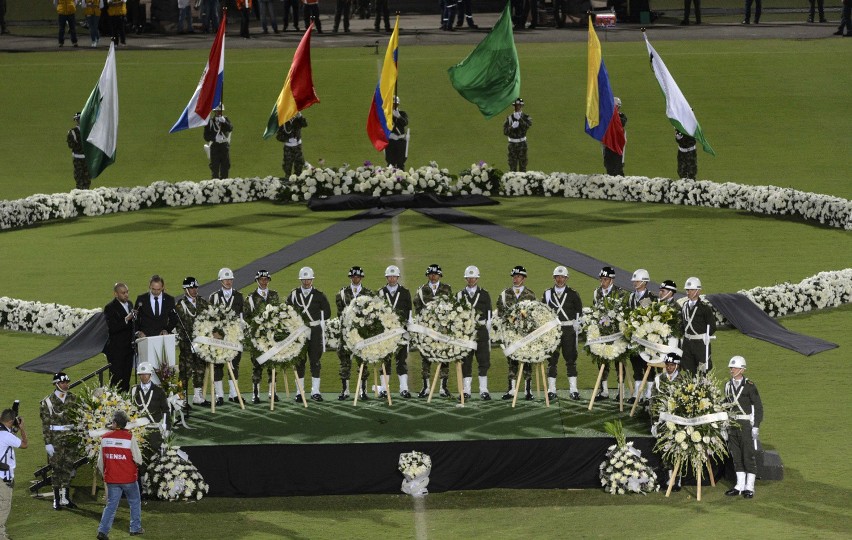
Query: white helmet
{"points": [[145, 368], [641, 275], [392, 271], [737, 362], [225, 273], [306, 272], [471, 272], [560, 271], [692, 283]]}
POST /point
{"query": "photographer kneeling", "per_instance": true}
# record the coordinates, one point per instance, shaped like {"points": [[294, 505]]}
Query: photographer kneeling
{"points": [[9, 423]]}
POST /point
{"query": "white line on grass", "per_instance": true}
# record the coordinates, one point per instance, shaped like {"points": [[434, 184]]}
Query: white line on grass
{"points": [[397, 245]]}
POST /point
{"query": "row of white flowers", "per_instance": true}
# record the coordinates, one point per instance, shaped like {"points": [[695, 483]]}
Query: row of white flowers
{"points": [[480, 178], [821, 291]]}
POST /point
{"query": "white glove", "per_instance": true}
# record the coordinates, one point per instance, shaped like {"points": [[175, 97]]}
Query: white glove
{"points": [[577, 326], [517, 114], [50, 450], [515, 124], [395, 113], [754, 432]]}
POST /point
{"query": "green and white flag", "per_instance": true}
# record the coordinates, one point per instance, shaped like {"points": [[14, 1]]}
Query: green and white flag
{"points": [[99, 120], [677, 109]]}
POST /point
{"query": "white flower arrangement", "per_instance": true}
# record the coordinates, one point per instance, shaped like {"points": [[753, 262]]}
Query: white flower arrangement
{"points": [[42, 318], [332, 334], [770, 200], [444, 330], [625, 470], [278, 334], [171, 476], [529, 331], [693, 419], [821, 291], [653, 323], [94, 411], [415, 467], [217, 329], [370, 329], [604, 326]]}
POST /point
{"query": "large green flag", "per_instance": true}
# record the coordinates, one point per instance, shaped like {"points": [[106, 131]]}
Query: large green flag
{"points": [[490, 77]]}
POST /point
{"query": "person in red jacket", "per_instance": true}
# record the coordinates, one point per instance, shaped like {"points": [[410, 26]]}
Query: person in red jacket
{"points": [[118, 462]]}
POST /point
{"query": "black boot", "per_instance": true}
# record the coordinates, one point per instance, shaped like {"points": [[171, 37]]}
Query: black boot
{"points": [[445, 392], [528, 390], [425, 391], [65, 493], [363, 395], [510, 393], [56, 504], [344, 392], [256, 393]]}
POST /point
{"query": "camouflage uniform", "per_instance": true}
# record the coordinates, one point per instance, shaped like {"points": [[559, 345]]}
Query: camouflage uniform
{"points": [[687, 156], [255, 302], [343, 299], [517, 140], [291, 135], [597, 298], [507, 299], [56, 425], [81, 170], [423, 296], [189, 364]]}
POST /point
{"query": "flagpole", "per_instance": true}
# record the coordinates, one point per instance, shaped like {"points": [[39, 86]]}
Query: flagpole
{"points": [[224, 23]]}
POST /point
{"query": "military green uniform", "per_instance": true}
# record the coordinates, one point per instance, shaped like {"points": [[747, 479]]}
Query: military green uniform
{"points": [[515, 128], [57, 428], [254, 304], [189, 364], [695, 320], [291, 135], [507, 299], [687, 156], [748, 411], [343, 298], [81, 170], [423, 296], [152, 404]]}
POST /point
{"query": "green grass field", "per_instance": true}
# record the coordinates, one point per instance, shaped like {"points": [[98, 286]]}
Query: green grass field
{"points": [[772, 110]]}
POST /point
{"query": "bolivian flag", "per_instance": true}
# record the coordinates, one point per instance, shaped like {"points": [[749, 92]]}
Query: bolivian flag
{"points": [[298, 91]]}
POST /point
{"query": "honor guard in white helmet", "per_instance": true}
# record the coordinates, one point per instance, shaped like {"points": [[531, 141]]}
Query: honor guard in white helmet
{"points": [[233, 300], [152, 403], [698, 323], [477, 298], [344, 297], [607, 290], [641, 297], [57, 411], [314, 308], [566, 304], [432, 289], [399, 299], [510, 296], [743, 442]]}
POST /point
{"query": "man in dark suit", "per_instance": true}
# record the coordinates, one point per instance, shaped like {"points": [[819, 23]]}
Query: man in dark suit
{"points": [[118, 349], [155, 310]]}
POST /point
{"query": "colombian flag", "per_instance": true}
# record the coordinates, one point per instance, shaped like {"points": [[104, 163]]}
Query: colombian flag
{"points": [[380, 121], [602, 120], [298, 91], [208, 93]]}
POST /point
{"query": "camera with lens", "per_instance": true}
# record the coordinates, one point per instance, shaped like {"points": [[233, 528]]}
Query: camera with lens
{"points": [[16, 406]]}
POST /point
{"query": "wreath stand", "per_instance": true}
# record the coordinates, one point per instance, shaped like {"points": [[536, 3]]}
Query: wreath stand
{"points": [[676, 470], [375, 382], [540, 375], [437, 376], [642, 384], [208, 379], [620, 386], [273, 387]]}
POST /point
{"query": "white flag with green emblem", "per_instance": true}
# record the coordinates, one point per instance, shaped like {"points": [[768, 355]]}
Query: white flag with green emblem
{"points": [[677, 109], [99, 120]]}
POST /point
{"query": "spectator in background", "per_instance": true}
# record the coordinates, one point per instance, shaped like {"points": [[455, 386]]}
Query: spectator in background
{"points": [[211, 15], [3, 28], [185, 16], [66, 9], [757, 10], [117, 9], [9, 424], [267, 15], [814, 4], [93, 17], [311, 11], [686, 5], [291, 7], [845, 19]]}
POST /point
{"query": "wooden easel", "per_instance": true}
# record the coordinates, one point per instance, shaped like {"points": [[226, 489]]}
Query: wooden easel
{"points": [[642, 385], [538, 373], [437, 376], [620, 386], [208, 379], [676, 470], [300, 390], [375, 383]]}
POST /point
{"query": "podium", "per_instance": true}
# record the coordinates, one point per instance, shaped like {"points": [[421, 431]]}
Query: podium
{"points": [[156, 350]]}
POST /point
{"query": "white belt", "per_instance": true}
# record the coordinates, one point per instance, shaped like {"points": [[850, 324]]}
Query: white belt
{"points": [[568, 323], [694, 336], [743, 417], [61, 428], [690, 149], [395, 137], [315, 323], [483, 322], [78, 156], [292, 143], [522, 139]]}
